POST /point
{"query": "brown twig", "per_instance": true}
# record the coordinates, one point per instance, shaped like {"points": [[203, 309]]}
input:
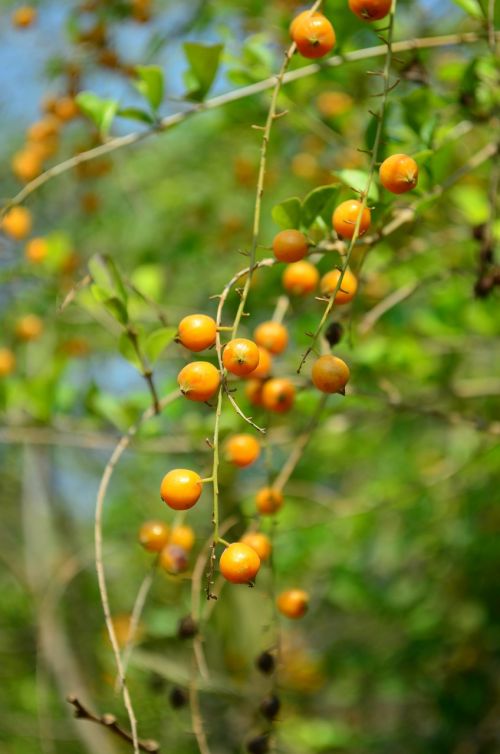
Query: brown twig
{"points": [[109, 722]]}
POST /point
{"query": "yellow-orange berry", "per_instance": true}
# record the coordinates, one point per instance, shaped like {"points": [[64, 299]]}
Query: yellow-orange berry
{"points": [[348, 286], [268, 500], [240, 356], [36, 250], [153, 535], [199, 381], [65, 108], [197, 332], [293, 603], [346, 216], [24, 16], [399, 173], [173, 559], [313, 34], [253, 391], [183, 536], [242, 450], [29, 327], [181, 488], [332, 104], [258, 542], [300, 278], [239, 563], [26, 164], [273, 336], [45, 128], [290, 246], [278, 395], [330, 374], [7, 362], [264, 366], [17, 223], [370, 10]]}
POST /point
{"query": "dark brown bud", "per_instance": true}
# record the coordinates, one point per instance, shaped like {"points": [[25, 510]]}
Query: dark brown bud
{"points": [[265, 663]]}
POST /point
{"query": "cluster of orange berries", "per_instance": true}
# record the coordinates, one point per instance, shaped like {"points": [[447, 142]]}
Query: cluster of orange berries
{"points": [[171, 545]]}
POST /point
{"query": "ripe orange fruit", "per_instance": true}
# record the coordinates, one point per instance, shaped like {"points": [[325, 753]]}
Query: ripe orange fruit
{"points": [[173, 559], [17, 223], [7, 362], [43, 129], [347, 289], [197, 332], [258, 542], [65, 108], [278, 395], [290, 246], [331, 104], [273, 336], [264, 366], [268, 500], [29, 327], [199, 380], [153, 535], [182, 536], [399, 173], [240, 356], [345, 217], [313, 34], [253, 391], [26, 164], [24, 16], [36, 250], [330, 374], [300, 278], [293, 603], [242, 450], [181, 488], [239, 563], [370, 10]]}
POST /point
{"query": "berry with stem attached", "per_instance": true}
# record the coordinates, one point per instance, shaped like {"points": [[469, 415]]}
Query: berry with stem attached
{"points": [[181, 488], [346, 215], [197, 332], [199, 381], [399, 173], [242, 450], [330, 374], [348, 286], [239, 563], [313, 34], [240, 356]]}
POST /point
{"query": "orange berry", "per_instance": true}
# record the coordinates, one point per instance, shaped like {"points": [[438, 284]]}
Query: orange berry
{"points": [[182, 536], [332, 104], [264, 366], [345, 217], [122, 625], [399, 173], [197, 332], [26, 164], [181, 488], [239, 563], [300, 278], [43, 129], [268, 500], [330, 374], [290, 246], [348, 286], [199, 380], [278, 395], [272, 336], [65, 108], [240, 356], [253, 391], [293, 603], [173, 559], [29, 327], [258, 542], [7, 362], [153, 535], [370, 10], [313, 34], [24, 16], [36, 250], [242, 450], [17, 223]]}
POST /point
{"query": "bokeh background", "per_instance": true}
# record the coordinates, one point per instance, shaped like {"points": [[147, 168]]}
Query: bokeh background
{"points": [[391, 517]]}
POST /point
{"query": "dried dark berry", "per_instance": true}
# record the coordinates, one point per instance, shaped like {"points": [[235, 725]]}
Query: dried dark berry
{"points": [[259, 744], [270, 707], [178, 698], [265, 663], [334, 333], [187, 627]]}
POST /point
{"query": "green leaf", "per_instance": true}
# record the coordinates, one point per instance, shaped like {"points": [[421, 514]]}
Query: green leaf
{"points": [[151, 84], [471, 7], [203, 66], [157, 341], [287, 213], [117, 309], [358, 180], [101, 111], [135, 113], [128, 351], [105, 274], [318, 203]]}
